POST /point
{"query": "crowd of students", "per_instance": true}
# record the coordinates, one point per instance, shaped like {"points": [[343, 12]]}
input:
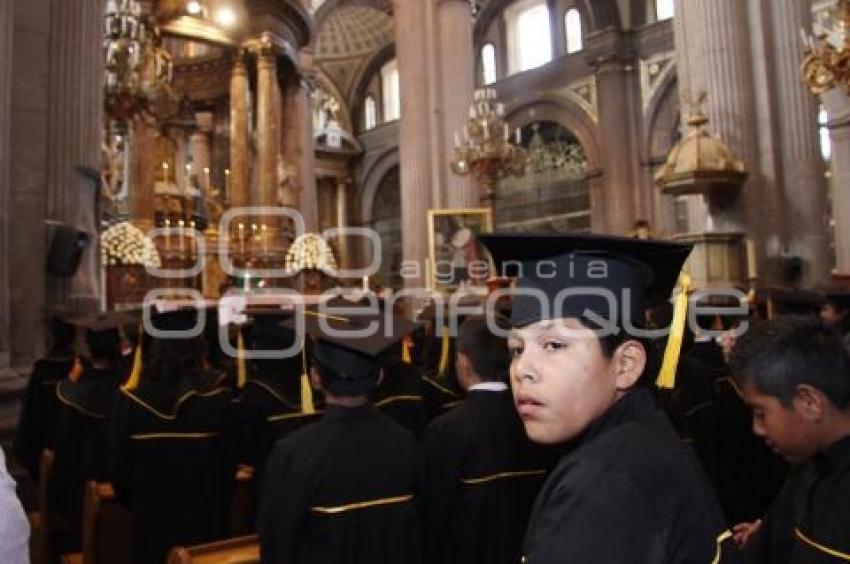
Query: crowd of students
{"points": [[552, 445]]}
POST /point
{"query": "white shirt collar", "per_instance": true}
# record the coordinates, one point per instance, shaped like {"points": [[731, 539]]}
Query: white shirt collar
{"points": [[489, 387]]}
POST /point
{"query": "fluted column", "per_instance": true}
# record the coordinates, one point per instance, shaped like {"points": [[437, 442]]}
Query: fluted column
{"points": [[457, 73], [685, 35], [838, 107], [615, 121], [804, 186], [267, 129], [199, 148], [719, 58], [307, 151], [414, 137], [74, 136], [6, 51], [343, 220], [239, 120]]}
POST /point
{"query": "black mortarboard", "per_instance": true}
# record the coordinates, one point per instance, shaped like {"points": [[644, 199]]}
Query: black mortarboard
{"points": [[838, 298], [349, 340], [551, 263], [266, 330]]}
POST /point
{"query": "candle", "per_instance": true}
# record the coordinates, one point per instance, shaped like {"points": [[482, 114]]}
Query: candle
{"points": [[180, 225], [265, 238], [164, 171], [227, 184], [167, 235], [207, 178], [752, 264], [457, 139], [518, 136], [241, 238], [507, 133], [365, 283]]}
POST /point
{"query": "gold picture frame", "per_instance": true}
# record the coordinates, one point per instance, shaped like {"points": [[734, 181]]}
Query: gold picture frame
{"points": [[456, 257]]}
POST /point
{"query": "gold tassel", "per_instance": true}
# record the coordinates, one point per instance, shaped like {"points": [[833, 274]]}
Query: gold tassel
{"points": [[667, 375], [241, 366], [76, 370], [306, 390], [444, 352], [406, 346], [136, 371]]}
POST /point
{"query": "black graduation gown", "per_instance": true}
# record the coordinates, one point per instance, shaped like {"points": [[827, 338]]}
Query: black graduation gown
{"points": [[39, 412], [750, 475], [809, 522], [172, 465], [481, 477], [81, 442], [399, 396], [342, 491], [268, 411], [628, 492]]}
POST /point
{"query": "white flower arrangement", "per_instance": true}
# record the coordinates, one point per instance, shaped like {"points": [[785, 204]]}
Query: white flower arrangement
{"points": [[125, 244], [310, 251]]}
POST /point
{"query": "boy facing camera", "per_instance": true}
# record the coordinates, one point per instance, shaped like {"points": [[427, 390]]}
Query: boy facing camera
{"points": [[794, 373]]}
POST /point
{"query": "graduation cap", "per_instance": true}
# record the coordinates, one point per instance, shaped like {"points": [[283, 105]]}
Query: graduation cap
{"points": [[838, 298], [591, 269], [348, 341]]}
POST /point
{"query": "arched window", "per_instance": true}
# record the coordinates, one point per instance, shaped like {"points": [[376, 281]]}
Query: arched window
{"points": [[825, 142], [390, 91], [665, 9], [529, 35], [488, 63], [370, 113], [572, 29]]}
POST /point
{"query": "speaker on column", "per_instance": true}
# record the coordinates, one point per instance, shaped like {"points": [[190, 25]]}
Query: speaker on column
{"points": [[66, 249]]}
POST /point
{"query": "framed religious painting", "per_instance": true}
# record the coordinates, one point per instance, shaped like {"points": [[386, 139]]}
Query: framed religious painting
{"points": [[457, 259]]}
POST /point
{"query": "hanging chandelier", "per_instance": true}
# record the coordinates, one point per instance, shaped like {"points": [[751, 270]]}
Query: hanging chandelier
{"points": [[137, 67], [826, 64], [486, 151]]}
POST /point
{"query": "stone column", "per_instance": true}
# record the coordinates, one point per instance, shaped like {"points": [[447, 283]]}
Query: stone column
{"points": [[199, 148], [414, 138], [342, 220], [267, 129], [719, 55], [6, 51], [804, 185], [838, 108], [74, 137], [457, 73], [615, 122], [146, 172], [306, 146], [557, 30], [239, 131]]}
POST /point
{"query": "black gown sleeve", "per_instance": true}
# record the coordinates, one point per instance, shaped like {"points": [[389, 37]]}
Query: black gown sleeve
{"points": [[283, 509], [443, 457]]}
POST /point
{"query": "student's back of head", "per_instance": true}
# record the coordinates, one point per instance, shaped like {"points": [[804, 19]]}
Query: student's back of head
{"points": [[778, 356], [486, 352]]}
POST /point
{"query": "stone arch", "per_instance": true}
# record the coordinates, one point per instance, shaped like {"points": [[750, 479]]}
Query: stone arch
{"points": [[558, 109], [373, 174], [662, 116]]}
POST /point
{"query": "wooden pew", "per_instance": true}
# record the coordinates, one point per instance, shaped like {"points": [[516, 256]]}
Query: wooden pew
{"points": [[240, 550], [107, 529]]}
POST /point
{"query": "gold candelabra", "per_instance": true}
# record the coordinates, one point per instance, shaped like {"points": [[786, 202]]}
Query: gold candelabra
{"points": [[486, 151], [826, 65]]}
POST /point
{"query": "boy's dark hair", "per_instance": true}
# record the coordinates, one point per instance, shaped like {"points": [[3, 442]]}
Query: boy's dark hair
{"points": [[103, 345], [488, 353], [608, 344], [777, 356]]}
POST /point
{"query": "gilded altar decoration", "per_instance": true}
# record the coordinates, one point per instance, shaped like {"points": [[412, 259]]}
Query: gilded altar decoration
{"points": [[124, 244], [310, 252], [826, 61]]}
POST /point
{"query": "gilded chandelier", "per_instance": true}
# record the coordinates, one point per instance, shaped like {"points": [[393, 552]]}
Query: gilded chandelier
{"points": [[486, 151], [825, 65]]}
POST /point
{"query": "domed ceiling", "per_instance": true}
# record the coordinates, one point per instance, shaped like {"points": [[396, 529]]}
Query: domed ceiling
{"points": [[349, 36]]}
